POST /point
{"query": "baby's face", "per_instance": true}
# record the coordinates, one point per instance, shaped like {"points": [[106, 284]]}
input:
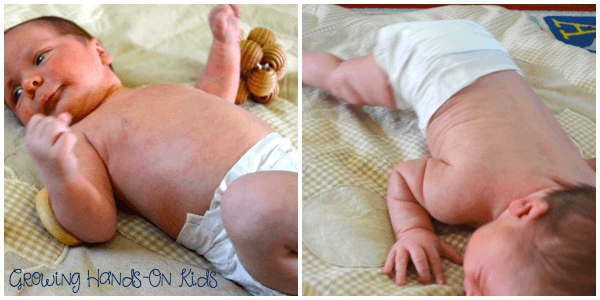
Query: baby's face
{"points": [[49, 73], [489, 259]]}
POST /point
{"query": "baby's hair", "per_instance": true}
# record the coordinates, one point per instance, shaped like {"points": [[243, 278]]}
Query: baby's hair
{"points": [[62, 27], [561, 247]]}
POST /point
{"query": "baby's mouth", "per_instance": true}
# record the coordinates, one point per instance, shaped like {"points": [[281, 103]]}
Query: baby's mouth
{"points": [[50, 103]]}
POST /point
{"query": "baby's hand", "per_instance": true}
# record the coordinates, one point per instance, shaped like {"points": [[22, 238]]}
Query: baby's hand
{"points": [[50, 142], [223, 22], [424, 247]]}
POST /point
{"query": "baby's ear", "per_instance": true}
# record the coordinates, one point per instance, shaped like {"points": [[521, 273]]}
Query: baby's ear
{"points": [[104, 56], [528, 209]]}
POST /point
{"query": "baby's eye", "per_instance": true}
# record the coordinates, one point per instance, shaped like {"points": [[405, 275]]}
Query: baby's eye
{"points": [[17, 94], [40, 58]]}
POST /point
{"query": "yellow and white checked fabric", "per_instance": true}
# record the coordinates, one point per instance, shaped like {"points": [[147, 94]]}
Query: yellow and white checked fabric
{"points": [[348, 151], [24, 232], [581, 131]]}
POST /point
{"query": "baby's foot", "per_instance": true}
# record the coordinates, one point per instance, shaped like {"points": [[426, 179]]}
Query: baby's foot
{"points": [[222, 73], [223, 23]]}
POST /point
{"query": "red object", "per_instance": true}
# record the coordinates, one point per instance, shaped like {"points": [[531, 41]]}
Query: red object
{"points": [[550, 7]]}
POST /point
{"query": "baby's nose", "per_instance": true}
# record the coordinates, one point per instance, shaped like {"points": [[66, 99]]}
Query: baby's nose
{"points": [[31, 84]]}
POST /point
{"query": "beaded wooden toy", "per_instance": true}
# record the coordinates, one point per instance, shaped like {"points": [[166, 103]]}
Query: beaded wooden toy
{"points": [[263, 63]]}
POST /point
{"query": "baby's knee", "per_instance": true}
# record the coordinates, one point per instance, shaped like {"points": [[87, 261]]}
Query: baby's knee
{"points": [[259, 202]]}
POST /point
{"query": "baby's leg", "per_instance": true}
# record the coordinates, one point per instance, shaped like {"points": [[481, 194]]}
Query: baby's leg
{"points": [[260, 214], [357, 81], [222, 73]]}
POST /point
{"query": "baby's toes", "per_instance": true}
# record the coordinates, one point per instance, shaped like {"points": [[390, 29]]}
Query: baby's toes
{"points": [[225, 27]]}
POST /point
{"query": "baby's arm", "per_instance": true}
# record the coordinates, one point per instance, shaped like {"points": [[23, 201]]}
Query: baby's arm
{"points": [[413, 229], [357, 81], [75, 178]]}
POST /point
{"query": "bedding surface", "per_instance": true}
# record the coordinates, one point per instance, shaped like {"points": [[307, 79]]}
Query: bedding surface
{"points": [[348, 151], [151, 44]]}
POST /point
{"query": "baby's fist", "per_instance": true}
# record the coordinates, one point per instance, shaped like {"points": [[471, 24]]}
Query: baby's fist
{"points": [[50, 142]]}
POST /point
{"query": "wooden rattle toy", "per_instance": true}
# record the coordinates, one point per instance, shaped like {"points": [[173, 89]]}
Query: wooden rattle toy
{"points": [[252, 54], [262, 82], [42, 203], [263, 63], [243, 92], [274, 55], [268, 98], [262, 36]]}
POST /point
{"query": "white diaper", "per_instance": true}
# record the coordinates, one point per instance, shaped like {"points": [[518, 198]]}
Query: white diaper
{"points": [[427, 62], [206, 234]]}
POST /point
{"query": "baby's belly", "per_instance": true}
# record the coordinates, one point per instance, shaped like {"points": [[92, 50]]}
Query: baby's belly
{"points": [[164, 186], [168, 154]]}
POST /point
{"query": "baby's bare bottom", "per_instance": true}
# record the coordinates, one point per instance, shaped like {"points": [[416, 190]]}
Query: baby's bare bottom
{"points": [[260, 214], [357, 81]]}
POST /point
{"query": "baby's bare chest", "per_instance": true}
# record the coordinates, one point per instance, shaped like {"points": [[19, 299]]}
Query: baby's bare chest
{"points": [[170, 145]]}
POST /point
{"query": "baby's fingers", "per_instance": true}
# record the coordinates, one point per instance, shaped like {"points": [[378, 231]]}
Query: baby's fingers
{"points": [[436, 266], [419, 259], [33, 123], [65, 118], [57, 129], [397, 260], [389, 262], [402, 257]]}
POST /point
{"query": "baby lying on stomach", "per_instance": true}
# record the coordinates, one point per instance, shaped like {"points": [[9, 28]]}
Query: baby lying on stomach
{"points": [[177, 155], [500, 161]]}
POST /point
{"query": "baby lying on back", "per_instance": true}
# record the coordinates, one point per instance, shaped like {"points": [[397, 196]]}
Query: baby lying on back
{"points": [[500, 161], [200, 168]]}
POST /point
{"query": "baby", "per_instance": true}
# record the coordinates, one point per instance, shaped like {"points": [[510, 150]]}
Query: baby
{"points": [[500, 161], [210, 174]]}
